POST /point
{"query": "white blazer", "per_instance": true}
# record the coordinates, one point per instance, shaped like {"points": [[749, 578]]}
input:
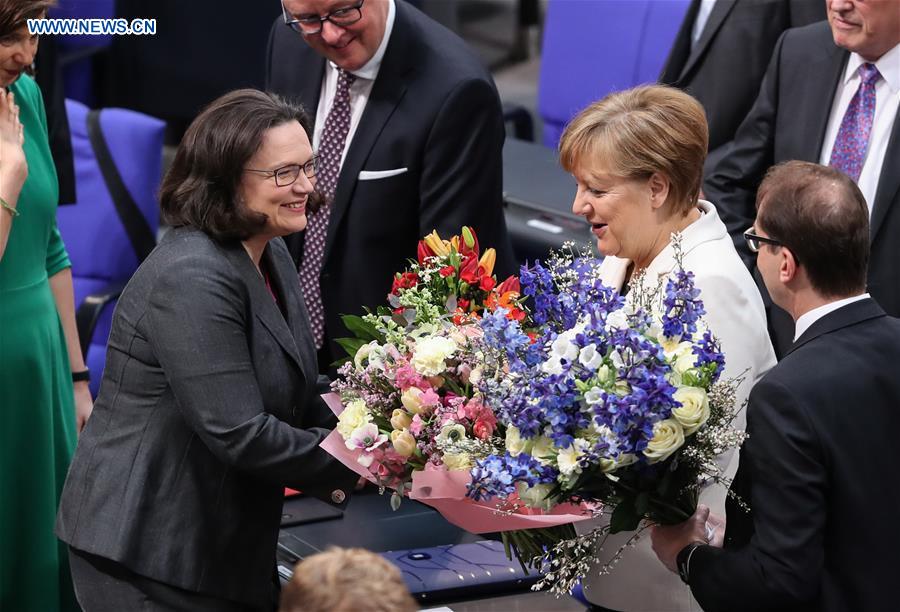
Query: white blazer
{"points": [[735, 314]]}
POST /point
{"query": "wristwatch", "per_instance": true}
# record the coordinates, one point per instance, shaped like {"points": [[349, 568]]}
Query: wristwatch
{"points": [[683, 560], [84, 375]]}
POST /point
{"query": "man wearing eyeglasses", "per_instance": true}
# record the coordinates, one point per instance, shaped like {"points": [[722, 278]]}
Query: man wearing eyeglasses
{"points": [[818, 468], [409, 136], [831, 94]]}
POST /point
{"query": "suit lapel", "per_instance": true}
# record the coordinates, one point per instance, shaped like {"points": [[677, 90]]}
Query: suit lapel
{"points": [[820, 91], [888, 182], [284, 279], [673, 71], [262, 305], [387, 91], [845, 316], [310, 85], [716, 17]]}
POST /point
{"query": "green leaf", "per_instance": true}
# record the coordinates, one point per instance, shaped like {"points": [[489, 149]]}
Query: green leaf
{"points": [[363, 329], [624, 517], [351, 345]]}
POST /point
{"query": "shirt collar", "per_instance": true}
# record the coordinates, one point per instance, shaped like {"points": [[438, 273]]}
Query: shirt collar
{"points": [[370, 69], [888, 66], [806, 321]]}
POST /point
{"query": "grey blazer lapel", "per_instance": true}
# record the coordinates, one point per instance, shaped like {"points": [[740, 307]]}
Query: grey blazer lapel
{"points": [[261, 303], [888, 182], [284, 278], [716, 18], [387, 92]]}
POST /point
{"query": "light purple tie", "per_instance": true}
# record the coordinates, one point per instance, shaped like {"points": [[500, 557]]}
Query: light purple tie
{"points": [[852, 140], [331, 148]]}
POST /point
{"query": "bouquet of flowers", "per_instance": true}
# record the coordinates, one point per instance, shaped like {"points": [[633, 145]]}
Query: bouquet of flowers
{"points": [[410, 390], [612, 402]]}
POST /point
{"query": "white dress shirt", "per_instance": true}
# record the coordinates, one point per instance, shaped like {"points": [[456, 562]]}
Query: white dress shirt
{"points": [[706, 7], [359, 90], [887, 101], [806, 321]]}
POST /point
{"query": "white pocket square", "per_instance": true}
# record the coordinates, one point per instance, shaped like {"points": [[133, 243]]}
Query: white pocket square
{"points": [[374, 175]]}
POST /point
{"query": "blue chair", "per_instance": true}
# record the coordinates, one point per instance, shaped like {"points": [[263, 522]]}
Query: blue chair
{"points": [[105, 249], [593, 48]]}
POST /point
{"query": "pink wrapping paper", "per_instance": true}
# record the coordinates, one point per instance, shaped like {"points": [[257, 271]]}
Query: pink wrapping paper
{"points": [[334, 445], [445, 491], [333, 400]]}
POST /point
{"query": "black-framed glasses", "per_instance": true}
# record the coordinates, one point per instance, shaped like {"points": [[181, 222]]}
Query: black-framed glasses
{"points": [[312, 24], [755, 241], [287, 175]]}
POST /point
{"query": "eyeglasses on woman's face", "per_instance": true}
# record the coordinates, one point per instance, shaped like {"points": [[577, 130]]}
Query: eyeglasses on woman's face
{"points": [[287, 175]]}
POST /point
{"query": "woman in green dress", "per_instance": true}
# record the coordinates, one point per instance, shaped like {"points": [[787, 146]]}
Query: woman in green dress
{"points": [[40, 407]]}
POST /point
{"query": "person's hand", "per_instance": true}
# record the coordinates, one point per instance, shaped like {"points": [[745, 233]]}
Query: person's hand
{"points": [[668, 540], [84, 404], [13, 166], [716, 531]]}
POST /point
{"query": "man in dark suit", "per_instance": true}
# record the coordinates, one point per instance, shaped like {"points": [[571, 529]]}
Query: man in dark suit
{"points": [[720, 55], [409, 131], [805, 101], [822, 530]]}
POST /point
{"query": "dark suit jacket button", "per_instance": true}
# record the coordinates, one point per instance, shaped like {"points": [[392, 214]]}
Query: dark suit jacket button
{"points": [[338, 496]]}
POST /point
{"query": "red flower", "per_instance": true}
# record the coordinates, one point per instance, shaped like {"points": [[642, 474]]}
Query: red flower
{"points": [[447, 271], [406, 280], [463, 303], [487, 282], [510, 284], [423, 251], [469, 270]]}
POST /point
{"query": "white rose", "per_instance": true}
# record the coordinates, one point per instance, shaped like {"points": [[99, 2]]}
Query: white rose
{"points": [[431, 355], [543, 449], [536, 496], [355, 415], [668, 436], [457, 461], [694, 410], [515, 443], [685, 362]]}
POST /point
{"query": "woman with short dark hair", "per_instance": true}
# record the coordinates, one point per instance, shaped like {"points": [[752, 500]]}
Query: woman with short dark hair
{"points": [[44, 395], [209, 403]]}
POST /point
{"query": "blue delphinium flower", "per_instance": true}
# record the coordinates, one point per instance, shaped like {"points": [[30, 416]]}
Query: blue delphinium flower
{"points": [[497, 475], [708, 351], [682, 306]]}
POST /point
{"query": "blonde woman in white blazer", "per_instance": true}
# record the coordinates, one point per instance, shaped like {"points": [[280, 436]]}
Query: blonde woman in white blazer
{"points": [[637, 157]]}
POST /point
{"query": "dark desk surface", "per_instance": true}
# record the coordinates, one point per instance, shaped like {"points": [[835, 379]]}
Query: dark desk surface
{"points": [[369, 522]]}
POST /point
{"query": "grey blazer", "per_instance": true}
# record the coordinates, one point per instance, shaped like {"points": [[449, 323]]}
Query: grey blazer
{"points": [[208, 407]]}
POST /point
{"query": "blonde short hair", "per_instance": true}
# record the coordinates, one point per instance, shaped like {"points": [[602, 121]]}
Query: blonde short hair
{"points": [[346, 580], [641, 131]]}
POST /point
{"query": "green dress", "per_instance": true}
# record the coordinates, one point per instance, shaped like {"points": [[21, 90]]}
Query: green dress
{"points": [[37, 413]]}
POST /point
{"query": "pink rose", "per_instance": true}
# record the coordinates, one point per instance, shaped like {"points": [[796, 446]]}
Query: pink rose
{"points": [[483, 429]]}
